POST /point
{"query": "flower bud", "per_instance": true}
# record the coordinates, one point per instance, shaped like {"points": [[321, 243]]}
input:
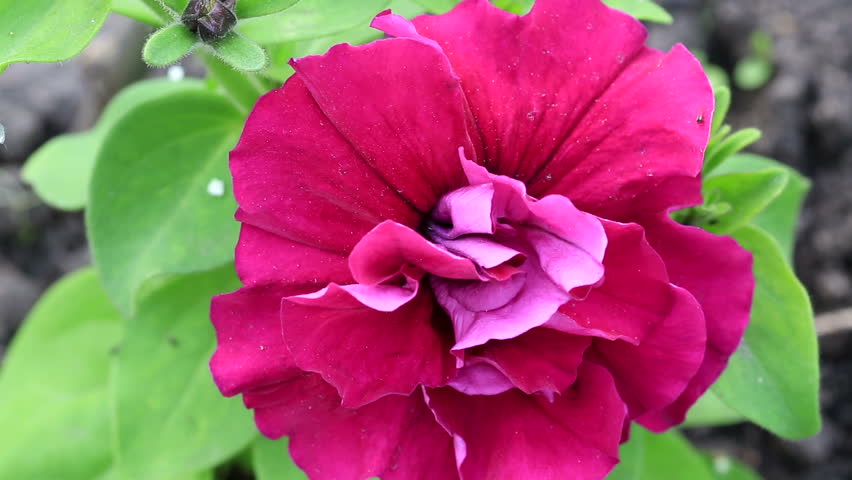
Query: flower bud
{"points": [[210, 19]]}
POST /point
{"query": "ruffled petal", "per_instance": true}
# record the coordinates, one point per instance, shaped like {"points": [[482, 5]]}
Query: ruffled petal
{"points": [[295, 175], [653, 374], [406, 119], [634, 297], [250, 352], [514, 435], [369, 341], [541, 360], [395, 437], [530, 80], [718, 273]]}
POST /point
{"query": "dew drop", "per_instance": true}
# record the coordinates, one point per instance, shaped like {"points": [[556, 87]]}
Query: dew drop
{"points": [[216, 187], [722, 464], [175, 73]]}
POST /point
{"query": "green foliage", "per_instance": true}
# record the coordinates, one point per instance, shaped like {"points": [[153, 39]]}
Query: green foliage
{"points": [[310, 19], [271, 461], [151, 13], [773, 378], [710, 410], [259, 8], [150, 212], [60, 170], [443, 6], [645, 10], [169, 417], [748, 193], [168, 45], [669, 456], [755, 70], [53, 385], [240, 53], [47, 30]]}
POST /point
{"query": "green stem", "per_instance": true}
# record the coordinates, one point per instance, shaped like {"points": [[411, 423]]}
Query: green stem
{"points": [[241, 88], [165, 13]]}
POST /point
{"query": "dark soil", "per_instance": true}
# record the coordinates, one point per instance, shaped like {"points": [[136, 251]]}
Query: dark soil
{"points": [[805, 112]]}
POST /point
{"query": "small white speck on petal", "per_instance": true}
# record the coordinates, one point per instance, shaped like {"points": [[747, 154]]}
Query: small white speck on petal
{"points": [[216, 187], [175, 73]]}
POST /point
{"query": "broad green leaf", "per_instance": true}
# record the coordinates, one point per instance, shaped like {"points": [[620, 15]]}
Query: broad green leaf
{"points": [[310, 19], [53, 385], [722, 97], [773, 378], [710, 411], [271, 461], [748, 193], [60, 170], [168, 45], [141, 11], [259, 8], [170, 418], [722, 149], [780, 217], [659, 457], [240, 53], [645, 10], [438, 6], [48, 30], [151, 209], [726, 468]]}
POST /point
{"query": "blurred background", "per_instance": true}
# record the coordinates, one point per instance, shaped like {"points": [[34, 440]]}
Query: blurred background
{"points": [[789, 63]]}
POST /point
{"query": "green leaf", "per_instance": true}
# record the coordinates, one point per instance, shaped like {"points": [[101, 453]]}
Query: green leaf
{"points": [[170, 418], [659, 457], [168, 45], [711, 411], [748, 193], [151, 209], [259, 8], [53, 385], [642, 10], [48, 30], [139, 10], [240, 53], [773, 378], [242, 88], [721, 150], [271, 461], [177, 5], [752, 73], [443, 6], [722, 97], [310, 19], [60, 170], [780, 217]]}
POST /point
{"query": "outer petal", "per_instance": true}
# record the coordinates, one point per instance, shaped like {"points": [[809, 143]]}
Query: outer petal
{"points": [[653, 374], [406, 119], [369, 341], [295, 175], [530, 79], [634, 297], [718, 273], [395, 437], [514, 435], [251, 352]]}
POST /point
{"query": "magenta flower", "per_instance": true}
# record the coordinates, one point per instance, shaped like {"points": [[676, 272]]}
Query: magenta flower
{"points": [[457, 254]]}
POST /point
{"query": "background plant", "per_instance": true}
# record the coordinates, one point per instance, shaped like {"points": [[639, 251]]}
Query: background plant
{"points": [[108, 377]]}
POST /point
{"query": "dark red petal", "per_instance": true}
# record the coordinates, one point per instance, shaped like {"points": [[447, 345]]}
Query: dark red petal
{"points": [[250, 352], [641, 133], [369, 341], [296, 176], [541, 360], [718, 273], [529, 80], [395, 437], [634, 297], [263, 257], [405, 119], [515, 435], [653, 374]]}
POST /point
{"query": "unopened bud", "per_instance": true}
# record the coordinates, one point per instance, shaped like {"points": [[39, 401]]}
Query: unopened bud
{"points": [[210, 19]]}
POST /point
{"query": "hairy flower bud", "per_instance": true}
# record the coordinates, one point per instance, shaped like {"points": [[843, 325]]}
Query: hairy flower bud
{"points": [[210, 19]]}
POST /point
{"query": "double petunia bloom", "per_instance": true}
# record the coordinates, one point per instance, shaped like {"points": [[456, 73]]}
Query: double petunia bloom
{"points": [[457, 252]]}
